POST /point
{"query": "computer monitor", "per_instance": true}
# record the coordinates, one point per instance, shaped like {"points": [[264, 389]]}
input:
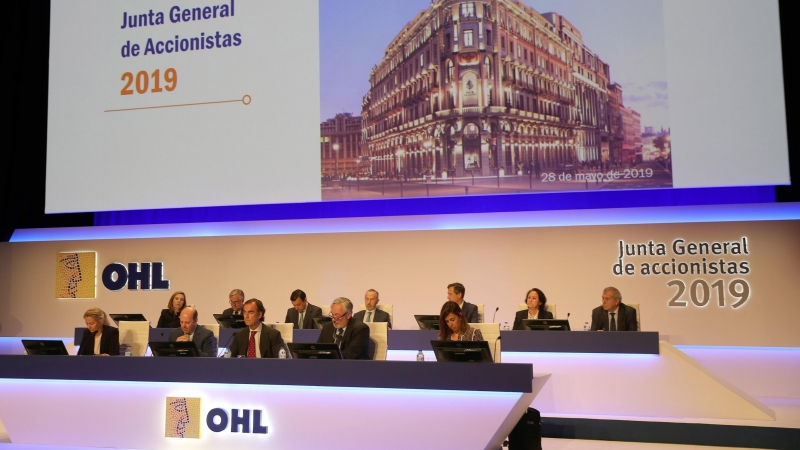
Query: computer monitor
{"points": [[173, 349], [44, 347], [320, 322], [127, 318], [230, 320], [545, 324], [427, 322], [462, 351], [314, 351]]}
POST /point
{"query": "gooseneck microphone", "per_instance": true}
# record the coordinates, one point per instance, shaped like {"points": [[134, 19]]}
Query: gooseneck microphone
{"points": [[226, 344], [495, 313]]}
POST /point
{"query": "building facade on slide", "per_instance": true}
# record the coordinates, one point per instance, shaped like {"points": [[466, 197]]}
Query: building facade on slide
{"points": [[480, 87]]}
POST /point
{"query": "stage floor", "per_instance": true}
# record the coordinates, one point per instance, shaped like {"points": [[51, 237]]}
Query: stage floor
{"points": [[787, 415], [547, 444]]}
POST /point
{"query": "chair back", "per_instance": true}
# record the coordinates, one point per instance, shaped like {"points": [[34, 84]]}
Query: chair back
{"points": [[388, 308], [285, 329], [549, 307], [134, 334], [491, 334], [638, 317], [213, 328], [326, 310], [378, 340], [480, 306]]}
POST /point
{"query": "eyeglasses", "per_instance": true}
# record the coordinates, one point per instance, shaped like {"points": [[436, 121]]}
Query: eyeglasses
{"points": [[335, 318], [234, 302]]}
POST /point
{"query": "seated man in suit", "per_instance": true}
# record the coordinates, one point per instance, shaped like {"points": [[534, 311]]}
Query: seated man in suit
{"points": [[455, 293], [613, 315], [302, 313], [352, 336], [236, 299], [190, 331], [255, 340], [372, 313]]}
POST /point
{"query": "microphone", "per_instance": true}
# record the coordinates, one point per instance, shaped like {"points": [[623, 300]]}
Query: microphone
{"points": [[227, 343], [495, 313]]}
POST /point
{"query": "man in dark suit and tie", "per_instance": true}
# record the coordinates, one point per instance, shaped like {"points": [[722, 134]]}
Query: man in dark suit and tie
{"points": [[372, 313], [350, 335], [236, 299], [613, 315], [190, 331], [302, 313], [256, 340], [455, 293]]}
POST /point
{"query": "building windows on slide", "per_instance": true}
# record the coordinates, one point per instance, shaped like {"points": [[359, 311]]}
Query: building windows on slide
{"points": [[468, 38]]}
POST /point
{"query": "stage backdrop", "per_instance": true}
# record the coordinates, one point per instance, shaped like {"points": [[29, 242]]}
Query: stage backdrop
{"points": [[729, 283]]}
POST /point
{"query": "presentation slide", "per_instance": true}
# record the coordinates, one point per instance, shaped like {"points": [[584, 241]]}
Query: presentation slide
{"points": [[195, 103]]}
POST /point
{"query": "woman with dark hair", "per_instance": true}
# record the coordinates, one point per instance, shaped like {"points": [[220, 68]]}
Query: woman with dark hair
{"points": [[453, 326], [171, 317], [101, 339], [535, 301]]}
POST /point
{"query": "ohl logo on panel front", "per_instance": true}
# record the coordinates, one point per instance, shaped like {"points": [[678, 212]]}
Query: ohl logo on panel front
{"points": [[76, 274]]}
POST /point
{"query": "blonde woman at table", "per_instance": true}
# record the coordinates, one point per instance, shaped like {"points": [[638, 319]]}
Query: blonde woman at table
{"points": [[535, 299], [101, 339], [453, 326]]}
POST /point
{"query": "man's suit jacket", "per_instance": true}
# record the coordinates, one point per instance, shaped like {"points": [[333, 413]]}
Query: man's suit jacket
{"points": [[203, 338], [626, 319], [308, 321], [355, 341], [270, 343], [109, 342], [470, 312], [379, 316], [229, 311], [523, 315]]}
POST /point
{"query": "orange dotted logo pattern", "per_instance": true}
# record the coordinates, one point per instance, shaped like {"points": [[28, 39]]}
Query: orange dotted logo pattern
{"points": [[183, 418], [75, 274]]}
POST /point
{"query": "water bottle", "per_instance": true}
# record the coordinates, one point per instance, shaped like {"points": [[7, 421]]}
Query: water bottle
{"points": [[128, 351], [420, 356], [586, 326], [505, 326], [282, 354]]}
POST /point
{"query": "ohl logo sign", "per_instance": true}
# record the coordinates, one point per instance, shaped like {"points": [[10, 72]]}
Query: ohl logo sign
{"points": [[183, 418], [75, 274]]}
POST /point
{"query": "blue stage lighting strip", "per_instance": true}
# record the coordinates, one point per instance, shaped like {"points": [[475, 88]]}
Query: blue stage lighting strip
{"points": [[530, 219], [541, 201]]}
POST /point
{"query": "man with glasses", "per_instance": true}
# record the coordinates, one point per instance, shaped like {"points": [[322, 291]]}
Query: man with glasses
{"points": [[236, 299], [255, 340], [351, 336]]}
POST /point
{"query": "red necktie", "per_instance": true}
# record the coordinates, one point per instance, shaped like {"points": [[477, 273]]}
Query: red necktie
{"points": [[251, 346]]}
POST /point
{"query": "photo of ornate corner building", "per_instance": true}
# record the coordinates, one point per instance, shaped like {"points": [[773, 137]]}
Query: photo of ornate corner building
{"points": [[492, 88]]}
